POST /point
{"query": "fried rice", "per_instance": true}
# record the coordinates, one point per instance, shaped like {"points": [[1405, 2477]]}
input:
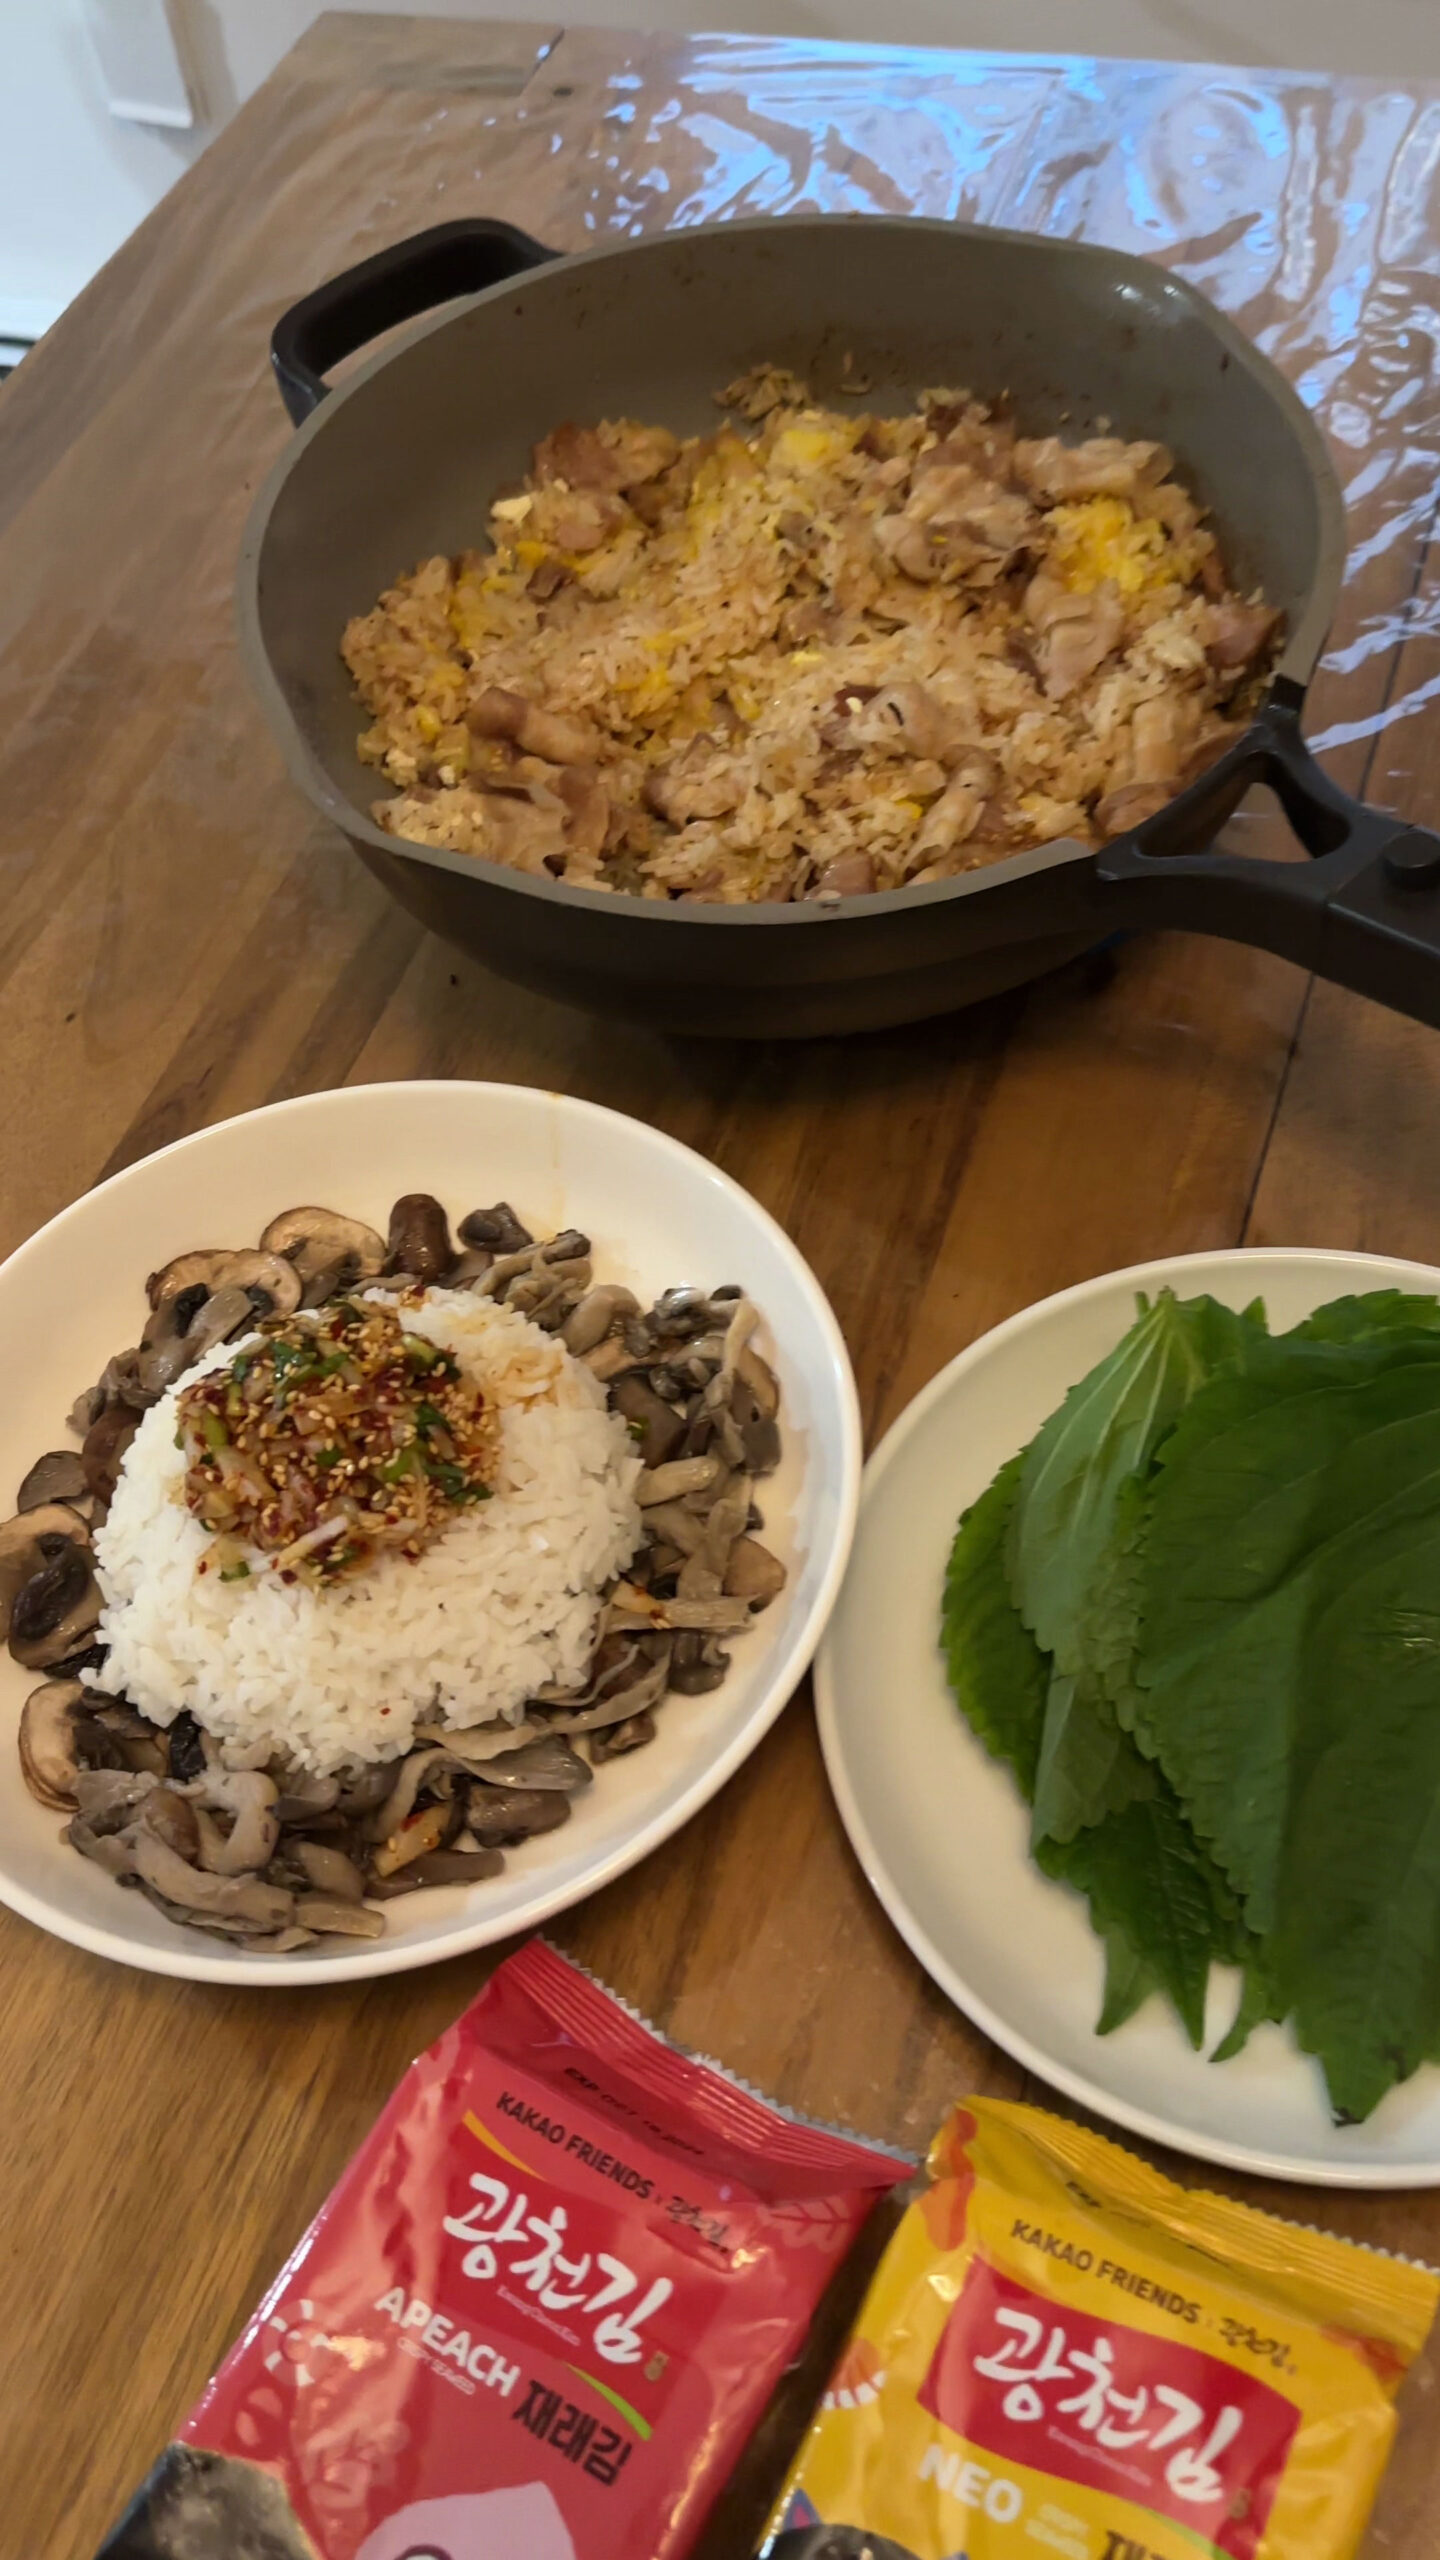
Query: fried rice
{"points": [[813, 655]]}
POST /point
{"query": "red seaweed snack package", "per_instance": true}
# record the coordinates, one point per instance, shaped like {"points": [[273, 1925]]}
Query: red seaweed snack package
{"points": [[537, 2318]]}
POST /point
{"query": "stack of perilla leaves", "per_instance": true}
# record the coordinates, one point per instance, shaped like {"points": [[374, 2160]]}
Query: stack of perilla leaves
{"points": [[1199, 1618]]}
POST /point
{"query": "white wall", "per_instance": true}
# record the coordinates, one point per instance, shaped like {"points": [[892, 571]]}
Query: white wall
{"points": [[74, 180]]}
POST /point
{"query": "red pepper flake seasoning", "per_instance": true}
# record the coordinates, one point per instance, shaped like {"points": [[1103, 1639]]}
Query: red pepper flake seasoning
{"points": [[334, 1438]]}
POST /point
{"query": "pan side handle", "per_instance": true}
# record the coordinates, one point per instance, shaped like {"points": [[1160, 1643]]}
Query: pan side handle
{"points": [[1365, 910], [397, 284]]}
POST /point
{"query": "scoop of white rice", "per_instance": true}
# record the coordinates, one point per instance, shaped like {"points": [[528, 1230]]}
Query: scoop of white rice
{"points": [[504, 1601]]}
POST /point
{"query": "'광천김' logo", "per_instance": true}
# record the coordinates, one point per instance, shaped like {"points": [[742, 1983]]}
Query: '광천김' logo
{"points": [[1110, 2407]]}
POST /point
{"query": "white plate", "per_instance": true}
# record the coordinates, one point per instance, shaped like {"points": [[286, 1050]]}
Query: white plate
{"points": [[656, 1214], [939, 1827]]}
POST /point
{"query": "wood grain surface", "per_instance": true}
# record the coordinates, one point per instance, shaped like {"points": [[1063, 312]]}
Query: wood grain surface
{"points": [[180, 939]]}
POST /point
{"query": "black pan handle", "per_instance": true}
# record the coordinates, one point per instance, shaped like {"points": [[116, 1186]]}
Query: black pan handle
{"points": [[1365, 910], [396, 284]]}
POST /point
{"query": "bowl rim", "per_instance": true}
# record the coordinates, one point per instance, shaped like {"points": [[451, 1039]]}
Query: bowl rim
{"points": [[379, 1956], [1295, 666]]}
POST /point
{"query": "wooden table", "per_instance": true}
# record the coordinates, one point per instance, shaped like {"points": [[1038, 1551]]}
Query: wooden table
{"points": [[180, 939]]}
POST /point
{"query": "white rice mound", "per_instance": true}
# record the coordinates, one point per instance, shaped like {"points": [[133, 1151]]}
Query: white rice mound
{"points": [[503, 1602]]}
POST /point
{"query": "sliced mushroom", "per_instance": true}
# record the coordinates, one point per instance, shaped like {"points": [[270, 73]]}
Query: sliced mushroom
{"points": [[330, 1871], [697, 1665], [173, 1317], [188, 1324], [91, 1657], [57, 1477], [470, 1747], [468, 1267], [437, 1866], [304, 1797], [549, 1762], [645, 1691], [55, 1609], [238, 1926], [48, 1755], [87, 1408], [760, 1444], [753, 1574], [761, 1380], [498, 1229], [322, 1244], [195, 1890], [684, 1310], [173, 1819], [679, 1477], [466, 1866], [550, 1292], [499, 1816], [611, 1356], [703, 1572], [630, 1607], [543, 1281], [361, 1790], [107, 1798], [205, 1269], [96, 1747], [419, 1239], [589, 1323], [676, 1526], [225, 1312], [106, 1443], [121, 1383], [266, 1275], [327, 1916], [110, 1850], [31, 1539], [403, 1793], [133, 1741], [620, 1738], [248, 1796], [655, 1425]]}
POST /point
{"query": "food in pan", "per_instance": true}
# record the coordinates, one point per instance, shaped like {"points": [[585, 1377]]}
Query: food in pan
{"points": [[814, 655], [1197, 1619], [1064, 2350], [373, 1552]]}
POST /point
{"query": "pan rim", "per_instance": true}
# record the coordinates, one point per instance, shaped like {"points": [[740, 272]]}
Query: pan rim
{"points": [[1295, 666]]}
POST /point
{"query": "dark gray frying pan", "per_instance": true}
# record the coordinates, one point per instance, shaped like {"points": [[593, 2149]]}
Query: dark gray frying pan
{"points": [[402, 461]]}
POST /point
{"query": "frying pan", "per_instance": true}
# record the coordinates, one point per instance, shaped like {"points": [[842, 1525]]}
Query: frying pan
{"points": [[402, 461]]}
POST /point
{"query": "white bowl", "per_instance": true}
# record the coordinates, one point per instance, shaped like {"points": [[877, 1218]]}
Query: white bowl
{"points": [[939, 1827], [657, 1214]]}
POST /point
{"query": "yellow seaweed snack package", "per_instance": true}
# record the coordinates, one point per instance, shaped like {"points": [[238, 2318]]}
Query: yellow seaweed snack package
{"points": [[1065, 2353]]}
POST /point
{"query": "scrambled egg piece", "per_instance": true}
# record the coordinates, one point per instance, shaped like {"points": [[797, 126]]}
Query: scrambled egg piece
{"points": [[1102, 538]]}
